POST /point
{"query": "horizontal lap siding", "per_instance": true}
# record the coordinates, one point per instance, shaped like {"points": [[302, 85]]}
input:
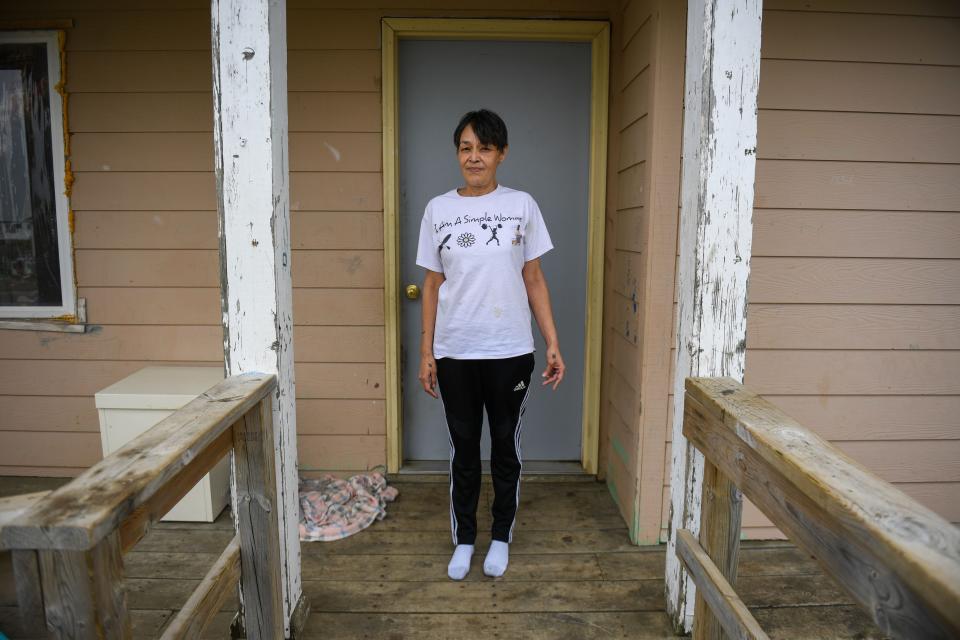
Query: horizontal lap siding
{"points": [[854, 292], [140, 116]]}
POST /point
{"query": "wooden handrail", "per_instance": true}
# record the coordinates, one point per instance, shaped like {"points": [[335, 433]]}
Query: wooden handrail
{"points": [[898, 559], [68, 545]]}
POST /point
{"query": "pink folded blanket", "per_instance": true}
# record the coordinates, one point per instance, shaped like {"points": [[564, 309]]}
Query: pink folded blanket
{"points": [[332, 508]]}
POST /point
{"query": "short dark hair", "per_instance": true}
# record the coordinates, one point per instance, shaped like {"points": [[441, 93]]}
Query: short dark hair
{"points": [[488, 126]]}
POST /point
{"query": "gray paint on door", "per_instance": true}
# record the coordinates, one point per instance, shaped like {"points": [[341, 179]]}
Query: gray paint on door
{"points": [[542, 91]]}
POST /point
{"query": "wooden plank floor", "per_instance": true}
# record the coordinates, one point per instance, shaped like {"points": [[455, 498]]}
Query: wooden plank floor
{"points": [[573, 574]]}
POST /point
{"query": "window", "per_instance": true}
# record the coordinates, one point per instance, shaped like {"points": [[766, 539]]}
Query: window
{"points": [[36, 261]]}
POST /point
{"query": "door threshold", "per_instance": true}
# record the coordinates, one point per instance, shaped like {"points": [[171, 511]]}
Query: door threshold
{"points": [[555, 470]]}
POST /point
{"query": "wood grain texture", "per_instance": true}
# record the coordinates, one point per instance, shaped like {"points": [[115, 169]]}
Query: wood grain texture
{"points": [[26, 577], [135, 526], [788, 592], [908, 462], [720, 518], [939, 497], [257, 509], [897, 558], [80, 514], [206, 601], [83, 591], [726, 610]]}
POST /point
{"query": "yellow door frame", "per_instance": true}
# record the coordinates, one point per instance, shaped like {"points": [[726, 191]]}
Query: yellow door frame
{"points": [[598, 34]]}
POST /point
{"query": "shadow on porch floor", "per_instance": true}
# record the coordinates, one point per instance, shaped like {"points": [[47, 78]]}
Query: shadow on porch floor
{"points": [[573, 574]]}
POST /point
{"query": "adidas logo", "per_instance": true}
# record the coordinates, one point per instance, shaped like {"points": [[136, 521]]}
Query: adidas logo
{"points": [[520, 386]]}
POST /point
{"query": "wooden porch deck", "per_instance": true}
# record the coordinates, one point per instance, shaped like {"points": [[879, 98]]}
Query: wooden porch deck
{"points": [[573, 574]]}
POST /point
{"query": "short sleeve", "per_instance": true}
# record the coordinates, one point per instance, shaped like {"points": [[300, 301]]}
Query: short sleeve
{"points": [[427, 254], [537, 239]]}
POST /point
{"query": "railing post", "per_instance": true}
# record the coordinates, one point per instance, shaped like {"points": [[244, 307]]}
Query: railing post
{"points": [[26, 577], [83, 592], [256, 499], [722, 507], [719, 153]]}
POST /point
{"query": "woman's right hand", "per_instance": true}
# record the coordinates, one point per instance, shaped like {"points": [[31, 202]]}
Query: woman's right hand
{"points": [[428, 374]]}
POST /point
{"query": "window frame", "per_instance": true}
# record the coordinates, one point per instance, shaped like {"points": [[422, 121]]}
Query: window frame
{"points": [[67, 310]]}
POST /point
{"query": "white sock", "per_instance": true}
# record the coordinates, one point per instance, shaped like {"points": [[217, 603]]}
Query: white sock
{"points": [[460, 562], [497, 557]]}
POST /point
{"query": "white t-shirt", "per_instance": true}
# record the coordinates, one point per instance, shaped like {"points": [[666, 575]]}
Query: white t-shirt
{"points": [[480, 243]]}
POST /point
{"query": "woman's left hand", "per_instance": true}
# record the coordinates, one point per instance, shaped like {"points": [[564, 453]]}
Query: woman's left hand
{"points": [[555, 367]]}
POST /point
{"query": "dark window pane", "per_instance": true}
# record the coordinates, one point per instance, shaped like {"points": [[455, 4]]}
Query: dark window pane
{"points": [[29, 256]]}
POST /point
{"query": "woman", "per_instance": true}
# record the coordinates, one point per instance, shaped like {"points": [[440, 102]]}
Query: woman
{"points": [[481, 245]]}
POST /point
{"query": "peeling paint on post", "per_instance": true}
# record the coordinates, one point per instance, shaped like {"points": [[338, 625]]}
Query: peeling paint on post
{"points": [[253, 199], [716, 204]]}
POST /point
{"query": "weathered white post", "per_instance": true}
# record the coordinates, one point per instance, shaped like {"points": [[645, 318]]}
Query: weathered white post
{"points": [[716, 203], [253, 198]]}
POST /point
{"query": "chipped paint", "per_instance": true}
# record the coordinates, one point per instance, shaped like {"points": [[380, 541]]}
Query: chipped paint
{"points": [[717, 176], [68, 177], [248, 46]]}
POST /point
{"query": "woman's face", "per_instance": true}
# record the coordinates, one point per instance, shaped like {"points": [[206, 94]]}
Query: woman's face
{"points": [[478, 161]]}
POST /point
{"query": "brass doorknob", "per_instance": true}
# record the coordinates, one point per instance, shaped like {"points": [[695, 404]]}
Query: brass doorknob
{"points": [[413, 291]]}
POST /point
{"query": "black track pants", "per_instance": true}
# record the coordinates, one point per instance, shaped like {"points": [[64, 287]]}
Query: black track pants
{"points": [[466, 388]]}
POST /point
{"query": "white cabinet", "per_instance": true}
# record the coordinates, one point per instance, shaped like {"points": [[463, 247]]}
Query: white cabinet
{"points": [[141, 400]]}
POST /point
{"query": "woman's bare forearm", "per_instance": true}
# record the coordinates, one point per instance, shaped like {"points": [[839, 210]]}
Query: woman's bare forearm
{"points": [[539, 297], [428, 320]]}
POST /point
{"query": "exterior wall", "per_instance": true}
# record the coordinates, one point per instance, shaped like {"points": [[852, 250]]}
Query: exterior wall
{"points": [[646, 118], [853, 323], [140, 116]]}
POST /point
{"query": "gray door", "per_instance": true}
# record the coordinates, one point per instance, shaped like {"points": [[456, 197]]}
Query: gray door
{"points": [[542, 91]]}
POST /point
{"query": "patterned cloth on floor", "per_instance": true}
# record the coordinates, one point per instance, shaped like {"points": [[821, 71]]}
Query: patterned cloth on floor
{"points": [[332, 508]]}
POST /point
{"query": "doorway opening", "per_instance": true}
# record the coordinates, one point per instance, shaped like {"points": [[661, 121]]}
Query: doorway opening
{"points": [[549, 80]]}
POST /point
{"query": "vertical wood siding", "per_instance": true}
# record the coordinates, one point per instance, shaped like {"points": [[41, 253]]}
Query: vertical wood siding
{"points": [[140, 115], [855, 285]]}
